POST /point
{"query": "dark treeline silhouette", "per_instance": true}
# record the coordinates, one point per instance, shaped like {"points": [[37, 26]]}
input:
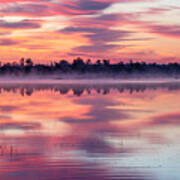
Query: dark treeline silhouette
{"points": [[79, 66], [81, 89]]}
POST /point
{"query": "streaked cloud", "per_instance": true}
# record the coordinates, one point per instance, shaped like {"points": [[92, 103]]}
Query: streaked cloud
{"points": [[166, 30], [89, 28], [26, 24]]}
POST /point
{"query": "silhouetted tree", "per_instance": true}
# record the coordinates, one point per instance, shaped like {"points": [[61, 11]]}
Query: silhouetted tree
{"points": [[98, 62], [64, 65], [29, 65], [78, 64], [106, 62], [22, 62], [121, 69], [88, 62], [29, 62]]}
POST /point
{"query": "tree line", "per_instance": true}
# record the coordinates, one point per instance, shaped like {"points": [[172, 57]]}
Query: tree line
{"points": [[78, 65]]}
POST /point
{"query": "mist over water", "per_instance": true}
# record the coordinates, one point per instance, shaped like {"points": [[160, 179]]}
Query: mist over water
{"points": [[52, 131]]}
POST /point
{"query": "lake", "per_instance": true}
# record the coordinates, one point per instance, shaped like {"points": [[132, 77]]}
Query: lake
{"points": [[99, 131]]}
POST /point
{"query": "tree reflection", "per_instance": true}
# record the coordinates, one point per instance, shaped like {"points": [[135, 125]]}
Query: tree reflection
{"points": [[80, 89]]}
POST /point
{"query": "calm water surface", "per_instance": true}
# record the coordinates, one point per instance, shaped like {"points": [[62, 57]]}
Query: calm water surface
{"points": [[98, 132]]}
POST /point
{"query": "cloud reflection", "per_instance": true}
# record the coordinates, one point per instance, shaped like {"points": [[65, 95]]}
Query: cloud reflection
{"points": [[92, 131]]}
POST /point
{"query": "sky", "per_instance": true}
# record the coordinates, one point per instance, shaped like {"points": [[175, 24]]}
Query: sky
{"points": [[120, 30]]}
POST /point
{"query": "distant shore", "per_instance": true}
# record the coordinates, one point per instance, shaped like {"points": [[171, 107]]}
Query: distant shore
{"points": [[82, 70]]}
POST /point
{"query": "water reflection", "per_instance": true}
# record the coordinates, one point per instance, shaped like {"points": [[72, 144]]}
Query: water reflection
{"points": [[79, 89], [128, 135]]}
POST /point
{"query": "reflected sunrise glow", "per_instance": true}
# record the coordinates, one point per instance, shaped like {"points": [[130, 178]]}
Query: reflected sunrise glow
{"points": [[126, 131]]}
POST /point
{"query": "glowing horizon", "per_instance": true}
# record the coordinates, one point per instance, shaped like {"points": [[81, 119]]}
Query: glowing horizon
{"points": [[50, 30]]}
